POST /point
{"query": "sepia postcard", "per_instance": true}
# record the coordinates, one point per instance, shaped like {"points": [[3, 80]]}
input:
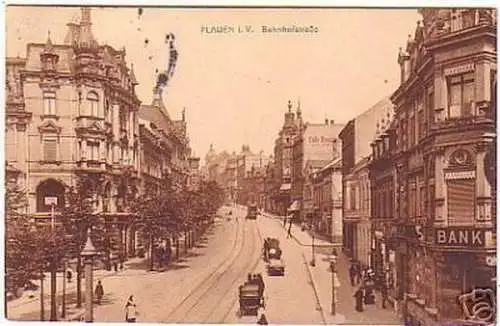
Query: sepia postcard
{"points": [[250, 165]]}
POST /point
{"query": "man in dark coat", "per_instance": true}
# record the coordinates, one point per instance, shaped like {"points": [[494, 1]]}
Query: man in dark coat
{"points": [[352, 274], [99, 292], [384, 292], [359, 299]]}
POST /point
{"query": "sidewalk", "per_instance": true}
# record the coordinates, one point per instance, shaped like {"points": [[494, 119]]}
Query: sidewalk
{"points": [[322, 282], [28, 305]]}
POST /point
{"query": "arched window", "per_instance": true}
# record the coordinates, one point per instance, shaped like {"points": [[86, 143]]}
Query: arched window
{"points": [[49, 189], [93, 99]]}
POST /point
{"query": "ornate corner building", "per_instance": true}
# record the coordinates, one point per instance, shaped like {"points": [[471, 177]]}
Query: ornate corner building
{"points": [[72, 110], [436, 201]]}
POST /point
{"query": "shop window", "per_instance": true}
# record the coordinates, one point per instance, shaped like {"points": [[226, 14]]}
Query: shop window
{"points": [[49, 103], [461, 201], [461, 95]]}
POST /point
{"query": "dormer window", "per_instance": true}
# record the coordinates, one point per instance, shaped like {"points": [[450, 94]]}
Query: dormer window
{"points": [[93, 100], [49, 104]]}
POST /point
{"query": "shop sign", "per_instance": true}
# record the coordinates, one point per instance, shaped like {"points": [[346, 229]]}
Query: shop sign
{"points": [[460, 237], [415, 231]]}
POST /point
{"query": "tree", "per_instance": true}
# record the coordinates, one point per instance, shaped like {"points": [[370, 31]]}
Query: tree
{"points": [[22, 245], [78, 216], [155, 211]]}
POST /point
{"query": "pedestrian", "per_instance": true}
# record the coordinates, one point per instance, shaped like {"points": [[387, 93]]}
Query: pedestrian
{"points": [[262, 286], [130, 310], [69, 275], [352, 274], [289, 234], [369, 295], [99, 291], [359, 299], [262, 320], [249, 278], [284, 221], [115, 266], [384, 292]]}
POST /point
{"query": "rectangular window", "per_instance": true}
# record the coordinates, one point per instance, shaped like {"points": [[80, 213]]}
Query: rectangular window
{"points": [[411, 131], [421, 124], [49, 103], [93, 149], [353, 198], [461, 95], [50, 150], [431, 200], [461, 203]]}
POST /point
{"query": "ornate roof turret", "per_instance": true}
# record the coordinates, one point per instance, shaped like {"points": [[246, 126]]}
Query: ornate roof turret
{"points": [[49, 47], [133, 80], [410, 44], [86, 41], [49, 57]]}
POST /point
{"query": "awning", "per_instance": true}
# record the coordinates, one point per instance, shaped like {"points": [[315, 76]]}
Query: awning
{"points": [[294, 206], [286, 186]]}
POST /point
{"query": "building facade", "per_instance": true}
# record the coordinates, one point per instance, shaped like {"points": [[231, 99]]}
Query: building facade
{"points": [[445, 131], [317, 145], [71, 111], [281, 194], [327, 199], [356, 208], [356, 138]]}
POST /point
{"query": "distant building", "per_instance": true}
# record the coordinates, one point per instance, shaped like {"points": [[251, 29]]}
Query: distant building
{"points": [[327, 199], [317, 145], [356, 138]]}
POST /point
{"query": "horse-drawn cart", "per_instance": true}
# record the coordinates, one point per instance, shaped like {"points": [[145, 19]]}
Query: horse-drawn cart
{"points": [[251, 299], [272, 249]]}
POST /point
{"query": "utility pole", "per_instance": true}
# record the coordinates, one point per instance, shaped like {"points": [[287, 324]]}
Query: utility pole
{"points": [[63, 303], [42, 304]]}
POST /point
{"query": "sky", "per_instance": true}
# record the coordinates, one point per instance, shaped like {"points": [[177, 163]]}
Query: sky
{"points": [[235, 86]]}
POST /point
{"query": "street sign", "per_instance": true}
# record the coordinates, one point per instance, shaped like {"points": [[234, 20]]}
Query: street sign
{"points": [[49, 201]]}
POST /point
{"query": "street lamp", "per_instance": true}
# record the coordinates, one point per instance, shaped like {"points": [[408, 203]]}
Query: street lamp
{"points": [[313, 259], [335, 283], [88, 253]]}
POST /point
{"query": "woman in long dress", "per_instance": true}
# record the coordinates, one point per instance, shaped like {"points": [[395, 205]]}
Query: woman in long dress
{"points": [[130, 310]]}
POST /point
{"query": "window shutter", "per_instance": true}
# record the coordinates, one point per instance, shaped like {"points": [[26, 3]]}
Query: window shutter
{"points": [[461, 204], [50, 150]]}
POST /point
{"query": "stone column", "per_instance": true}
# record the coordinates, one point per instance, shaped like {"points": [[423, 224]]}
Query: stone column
{"points": [[483, 188], [89, 304], [441, 213], [116, 133], [440, 94], [482, 81]]}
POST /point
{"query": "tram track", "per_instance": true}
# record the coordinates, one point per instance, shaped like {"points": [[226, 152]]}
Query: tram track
{"points": [[189, 302], [253, 263]]}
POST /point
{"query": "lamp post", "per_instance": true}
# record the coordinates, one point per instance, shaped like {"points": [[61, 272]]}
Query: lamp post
{"points": [[53, 265], [333, 270], [88, 253], [313, 259]]}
